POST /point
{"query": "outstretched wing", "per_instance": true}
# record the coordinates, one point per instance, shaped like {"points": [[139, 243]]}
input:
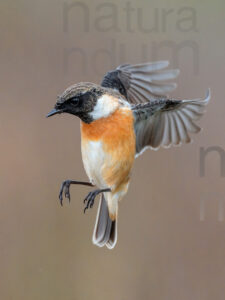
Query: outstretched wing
{"points": [[142, 82], [166, 122]]}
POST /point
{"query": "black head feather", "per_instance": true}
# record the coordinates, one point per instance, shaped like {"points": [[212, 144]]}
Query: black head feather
{"points": [[79, 100]]}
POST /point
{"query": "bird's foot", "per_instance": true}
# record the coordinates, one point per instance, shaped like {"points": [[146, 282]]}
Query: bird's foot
{"points": [[90, 199], [65, 189]]}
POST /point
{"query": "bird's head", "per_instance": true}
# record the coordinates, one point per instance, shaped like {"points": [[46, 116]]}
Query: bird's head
{"points": [[79, 100]]}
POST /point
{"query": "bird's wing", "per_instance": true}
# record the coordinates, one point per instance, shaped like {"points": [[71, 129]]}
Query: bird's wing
{"points": [[164, 122], [142, 82]]}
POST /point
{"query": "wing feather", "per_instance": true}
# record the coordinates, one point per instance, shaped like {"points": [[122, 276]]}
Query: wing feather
{"points": [[167, 122], [142, 82]]}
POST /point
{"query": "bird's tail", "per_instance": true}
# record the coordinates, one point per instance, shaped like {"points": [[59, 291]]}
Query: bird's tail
{"points": [[105, 231]]}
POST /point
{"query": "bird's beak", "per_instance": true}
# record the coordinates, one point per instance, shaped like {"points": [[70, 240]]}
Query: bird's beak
{"points": [[53, 112]]}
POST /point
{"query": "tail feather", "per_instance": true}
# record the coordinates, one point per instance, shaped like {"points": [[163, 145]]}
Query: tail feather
{"points": [[113, 236], [105, 231]]}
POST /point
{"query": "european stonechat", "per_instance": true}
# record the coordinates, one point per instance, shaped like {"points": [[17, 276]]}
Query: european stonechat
{"points": [[120, 118]]}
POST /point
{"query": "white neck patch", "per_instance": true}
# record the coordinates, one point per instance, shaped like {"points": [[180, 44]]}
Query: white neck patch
{"points": [[105, 106]]}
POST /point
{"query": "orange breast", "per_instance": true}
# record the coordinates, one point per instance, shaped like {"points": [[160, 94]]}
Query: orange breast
{"points": [[116, 133]]}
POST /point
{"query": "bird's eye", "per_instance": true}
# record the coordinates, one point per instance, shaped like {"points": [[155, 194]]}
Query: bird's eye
{"points": [[74, 101]]}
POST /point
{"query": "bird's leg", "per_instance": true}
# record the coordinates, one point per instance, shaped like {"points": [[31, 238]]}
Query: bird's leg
{"points": [[90, 199], [65, 187]]}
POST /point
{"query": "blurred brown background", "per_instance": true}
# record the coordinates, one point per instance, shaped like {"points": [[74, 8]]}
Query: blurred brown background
{"points": [[171, 241]]}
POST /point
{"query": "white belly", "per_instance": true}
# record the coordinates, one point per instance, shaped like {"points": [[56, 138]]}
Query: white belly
{"points": [[94, 159]]}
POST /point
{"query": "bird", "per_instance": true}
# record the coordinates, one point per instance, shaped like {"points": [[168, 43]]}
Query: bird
{"points": [[127, 113]]}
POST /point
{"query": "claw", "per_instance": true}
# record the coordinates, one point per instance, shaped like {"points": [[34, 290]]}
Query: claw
{"points": [[67, 193], [85, 199], [90, 199], [61, 199], [65, 187]]}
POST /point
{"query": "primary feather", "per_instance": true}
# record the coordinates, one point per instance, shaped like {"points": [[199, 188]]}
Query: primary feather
{"points": [[142, 82], [167, 122]]}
